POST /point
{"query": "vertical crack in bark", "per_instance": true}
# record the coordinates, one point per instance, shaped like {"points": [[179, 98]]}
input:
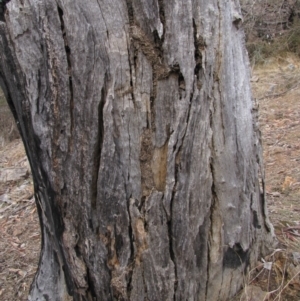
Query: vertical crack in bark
{"points": [[131, 258], [131, 62], [98, 146], [199, 45], [170, 219], [91, 293], [68, 56], [213, 199], [3, 9], [188, 114], [162, 16], [131, 261], [181, 86], [130, 12], [172, 255], [153, 94]]}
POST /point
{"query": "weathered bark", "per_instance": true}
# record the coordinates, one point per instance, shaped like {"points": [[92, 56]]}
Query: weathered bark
{"points": [[138, 123]]}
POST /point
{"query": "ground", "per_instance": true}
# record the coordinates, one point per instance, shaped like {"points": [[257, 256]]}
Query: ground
{"points": [[19, 227], [276, 85]]}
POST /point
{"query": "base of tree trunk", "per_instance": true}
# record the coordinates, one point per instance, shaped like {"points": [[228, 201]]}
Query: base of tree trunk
{"points": [[138, 121]]}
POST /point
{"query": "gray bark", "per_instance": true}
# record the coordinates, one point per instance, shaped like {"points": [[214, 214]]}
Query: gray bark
{"points": [[141, 133]]}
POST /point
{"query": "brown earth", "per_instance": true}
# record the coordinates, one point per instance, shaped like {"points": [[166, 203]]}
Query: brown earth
{"points": [[276, 85]]}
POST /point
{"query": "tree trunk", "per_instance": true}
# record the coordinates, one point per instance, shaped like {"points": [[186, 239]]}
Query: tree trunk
{"points": [[139, 125]]}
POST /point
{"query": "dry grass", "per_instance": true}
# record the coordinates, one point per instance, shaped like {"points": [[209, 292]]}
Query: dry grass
{"points": [[19, 228], [275, 278], [8, 128]]}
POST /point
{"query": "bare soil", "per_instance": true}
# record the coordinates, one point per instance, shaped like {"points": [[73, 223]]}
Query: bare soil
{"points": [[276, 85]]}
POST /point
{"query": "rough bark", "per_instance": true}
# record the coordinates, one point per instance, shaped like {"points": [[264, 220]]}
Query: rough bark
{"points": [[139, 126]]}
